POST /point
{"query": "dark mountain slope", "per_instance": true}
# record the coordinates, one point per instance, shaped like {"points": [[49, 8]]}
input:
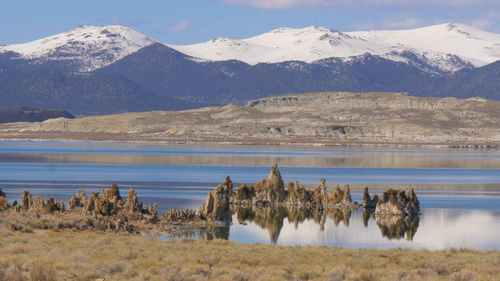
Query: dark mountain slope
{"points": [[168, 72], [482, 81], [81, 93], [160, 78]]}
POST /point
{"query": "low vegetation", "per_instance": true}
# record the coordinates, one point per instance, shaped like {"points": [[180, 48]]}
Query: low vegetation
{"points": [[83, 255]]}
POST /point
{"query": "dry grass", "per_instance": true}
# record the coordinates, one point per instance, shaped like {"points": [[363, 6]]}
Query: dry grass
{"points": [[68, 255]]}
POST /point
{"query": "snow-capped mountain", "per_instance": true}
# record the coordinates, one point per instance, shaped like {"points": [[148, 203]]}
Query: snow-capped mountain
{"points": [[448, 47], [101, 70], [88, 47], [438, 48]]}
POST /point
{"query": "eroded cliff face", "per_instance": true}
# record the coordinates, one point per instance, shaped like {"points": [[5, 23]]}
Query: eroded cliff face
{"points": [[315, 118]]}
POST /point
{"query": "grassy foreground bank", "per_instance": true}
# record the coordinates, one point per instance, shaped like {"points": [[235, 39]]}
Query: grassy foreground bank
{"points": [[67, 255]]}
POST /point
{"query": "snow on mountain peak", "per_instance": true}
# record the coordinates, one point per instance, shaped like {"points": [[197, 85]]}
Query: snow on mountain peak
{"points": [[470, 44], [448, 46], [92, 46]]}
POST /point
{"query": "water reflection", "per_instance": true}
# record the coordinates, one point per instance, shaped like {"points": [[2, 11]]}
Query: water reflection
{"points": [[397, 227], [434, 229], [214, 233], [48, 152], [272, 220], [437, 229]]}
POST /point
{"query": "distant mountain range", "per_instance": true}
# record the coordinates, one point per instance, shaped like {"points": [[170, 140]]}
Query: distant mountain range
{"points": [[111, 69]]}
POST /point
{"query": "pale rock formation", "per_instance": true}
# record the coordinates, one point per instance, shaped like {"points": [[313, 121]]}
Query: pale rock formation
{"points": [[369, 202], [271, 190], [244, 195], [216, 206], [133, 205], [27, 200], [78, 201], [229, 185], [320, 195], [398, 202], [3, 200], [174, 215], [298, 195], [313, 118], [39, 204], [341, 198]]}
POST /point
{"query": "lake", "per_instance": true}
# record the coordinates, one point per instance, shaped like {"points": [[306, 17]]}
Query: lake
{"points": [[459, 190]]}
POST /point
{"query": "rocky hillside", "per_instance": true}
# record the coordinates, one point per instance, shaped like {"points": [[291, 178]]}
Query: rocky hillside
{"points": [[314, 118]]}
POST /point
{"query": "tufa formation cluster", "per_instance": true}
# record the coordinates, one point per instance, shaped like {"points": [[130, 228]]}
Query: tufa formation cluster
{"points": [[398, 202], [272, 192]]}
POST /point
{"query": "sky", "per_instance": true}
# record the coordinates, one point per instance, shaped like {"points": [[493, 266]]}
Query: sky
{"points": [[193, 21]]}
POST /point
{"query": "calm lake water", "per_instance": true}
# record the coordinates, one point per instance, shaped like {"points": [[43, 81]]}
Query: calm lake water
{"points": [[459, 190]]}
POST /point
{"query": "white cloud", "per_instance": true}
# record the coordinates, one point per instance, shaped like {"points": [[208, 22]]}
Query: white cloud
{"points": [[361, 4], [116, 20], [181, 26], [277, 4], [406, 23], [127, 22], [483, 23]]}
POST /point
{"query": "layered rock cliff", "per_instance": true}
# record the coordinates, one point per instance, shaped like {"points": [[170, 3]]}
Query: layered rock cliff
{"points": [[315, 118]]}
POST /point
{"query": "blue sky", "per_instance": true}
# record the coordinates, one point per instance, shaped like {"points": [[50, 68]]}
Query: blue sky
{"points": [[191, 21]]}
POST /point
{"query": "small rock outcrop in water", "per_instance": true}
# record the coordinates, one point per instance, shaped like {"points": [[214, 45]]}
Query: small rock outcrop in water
{"points": [[398, 202], [271, 191], [369, 202], [216, 206], [298, 195], [108, 211], [341, 198], [244, 194]]}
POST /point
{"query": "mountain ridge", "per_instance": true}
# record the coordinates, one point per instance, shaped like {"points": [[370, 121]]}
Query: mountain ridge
{"points": [[131, 72], [438, 44], [447, 47], [90, 47]]}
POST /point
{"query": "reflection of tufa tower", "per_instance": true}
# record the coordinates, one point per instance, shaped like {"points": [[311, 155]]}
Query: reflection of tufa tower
{"points": [[270, 219], [396, 227]]}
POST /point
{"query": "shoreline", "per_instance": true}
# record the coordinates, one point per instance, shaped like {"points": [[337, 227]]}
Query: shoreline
{"points": [[314, 119], [348, 144]]}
